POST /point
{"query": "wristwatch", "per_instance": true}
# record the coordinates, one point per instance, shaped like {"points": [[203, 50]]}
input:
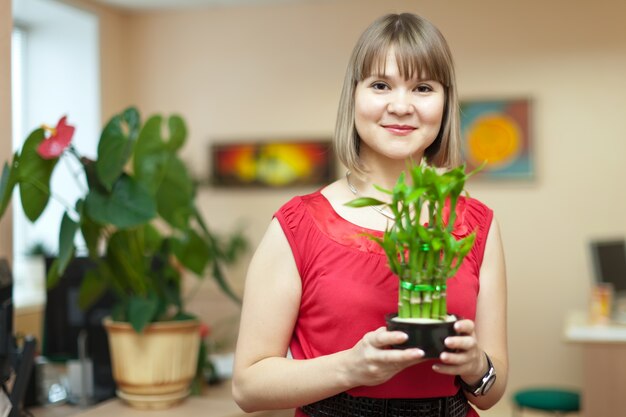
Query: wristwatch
{"points": [[485, 383]]}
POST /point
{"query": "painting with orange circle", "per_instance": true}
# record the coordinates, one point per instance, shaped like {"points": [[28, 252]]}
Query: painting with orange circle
{"points": [[272, 164], [497, 133]]}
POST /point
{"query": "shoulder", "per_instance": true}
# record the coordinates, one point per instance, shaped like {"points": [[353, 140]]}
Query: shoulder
{"points": [[297, 203], [475, 208]]}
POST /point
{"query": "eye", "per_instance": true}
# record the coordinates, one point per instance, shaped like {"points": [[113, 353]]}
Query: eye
{"points": [[424, 88], [379, 86]]}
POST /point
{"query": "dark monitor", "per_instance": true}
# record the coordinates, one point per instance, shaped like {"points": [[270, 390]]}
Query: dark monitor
{"points": [[6, 320], [65, 320], [16, 363], [609, 263]]}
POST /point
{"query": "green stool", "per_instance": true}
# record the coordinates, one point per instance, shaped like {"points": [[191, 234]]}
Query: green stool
{"points": [[553, 400]]}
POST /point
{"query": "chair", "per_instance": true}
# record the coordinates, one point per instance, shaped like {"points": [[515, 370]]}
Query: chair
{"points": [[557, 401]]}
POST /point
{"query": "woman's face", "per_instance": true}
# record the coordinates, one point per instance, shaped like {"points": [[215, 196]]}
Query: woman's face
{"points": [[397, 118]]}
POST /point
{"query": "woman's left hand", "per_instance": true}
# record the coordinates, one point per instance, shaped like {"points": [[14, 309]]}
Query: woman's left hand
{"points": [[466, 358]]}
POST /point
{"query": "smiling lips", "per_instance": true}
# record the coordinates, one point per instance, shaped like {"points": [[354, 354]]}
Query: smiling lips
{"points": [[399, 130]]}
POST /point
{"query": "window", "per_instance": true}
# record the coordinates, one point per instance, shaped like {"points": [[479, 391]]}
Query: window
{"points": [[55, 72]]}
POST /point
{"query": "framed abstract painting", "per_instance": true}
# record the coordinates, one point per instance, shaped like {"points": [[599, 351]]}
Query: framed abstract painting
{"points": [[272, 164], [498, 134]]}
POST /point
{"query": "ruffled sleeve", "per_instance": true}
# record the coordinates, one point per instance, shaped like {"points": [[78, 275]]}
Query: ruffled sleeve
{"points": [[473, 216], [290, 216]]}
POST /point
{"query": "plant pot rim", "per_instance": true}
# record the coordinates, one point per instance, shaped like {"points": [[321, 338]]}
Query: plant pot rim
{"points": [[109, 323], [422, 322]]}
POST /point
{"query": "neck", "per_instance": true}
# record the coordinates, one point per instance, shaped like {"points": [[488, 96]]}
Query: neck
{"points": [[384, 175]]}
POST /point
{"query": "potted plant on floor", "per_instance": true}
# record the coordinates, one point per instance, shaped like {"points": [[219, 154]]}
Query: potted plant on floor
{"points": [[422, 251], [142, 229]]}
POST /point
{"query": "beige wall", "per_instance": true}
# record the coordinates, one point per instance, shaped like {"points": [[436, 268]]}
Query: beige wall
{"points": [[276, 71], [6, 25], [114, 25]]}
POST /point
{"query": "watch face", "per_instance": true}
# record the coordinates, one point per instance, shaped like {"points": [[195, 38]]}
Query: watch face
{"points": [[488, 384]]}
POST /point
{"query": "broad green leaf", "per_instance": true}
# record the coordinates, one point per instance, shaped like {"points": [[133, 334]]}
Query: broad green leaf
{"points": [[126, 258], [152, 238], [178, 133], [67, 234], [151, 155], [91, 233], [192, 251], [34, 176], [114, 150], [141, 311], [175, 195], [7, 184], [128, 205], [133, 121], [53, 277], [92, 288]]}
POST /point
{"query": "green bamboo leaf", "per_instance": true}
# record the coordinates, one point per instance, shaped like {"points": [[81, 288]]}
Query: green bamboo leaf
{"points": [[128, 205], [34, 176], [383, 190], [364, 202], [114, 150]]}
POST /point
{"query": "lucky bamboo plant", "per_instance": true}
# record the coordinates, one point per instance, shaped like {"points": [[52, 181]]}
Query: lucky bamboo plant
{"points": [[423, 254]]}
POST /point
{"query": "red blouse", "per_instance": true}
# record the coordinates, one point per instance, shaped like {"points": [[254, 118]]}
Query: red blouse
{"points": [[347, 288]]}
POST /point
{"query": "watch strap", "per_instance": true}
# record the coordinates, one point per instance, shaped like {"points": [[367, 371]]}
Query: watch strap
{"points": [[483, 385]]}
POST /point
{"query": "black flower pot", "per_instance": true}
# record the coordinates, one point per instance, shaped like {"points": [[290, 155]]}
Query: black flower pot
{"points": [[428, 336]]}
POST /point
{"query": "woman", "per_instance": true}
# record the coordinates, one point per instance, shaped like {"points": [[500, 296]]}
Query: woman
{"points": [[318, 287]]}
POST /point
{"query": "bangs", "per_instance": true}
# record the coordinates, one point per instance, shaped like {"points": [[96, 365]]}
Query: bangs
{"points": [[418, 55]]}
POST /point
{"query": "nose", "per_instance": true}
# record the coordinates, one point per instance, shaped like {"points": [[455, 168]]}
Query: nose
{"points": [[400, 104]]}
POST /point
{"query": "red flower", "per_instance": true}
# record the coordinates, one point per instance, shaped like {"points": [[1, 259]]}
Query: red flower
{"points": [[60, 138], [205, 330]]}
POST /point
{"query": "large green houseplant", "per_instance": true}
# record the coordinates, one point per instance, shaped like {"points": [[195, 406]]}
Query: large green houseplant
{"points": [[419, 243], [138, 215]]}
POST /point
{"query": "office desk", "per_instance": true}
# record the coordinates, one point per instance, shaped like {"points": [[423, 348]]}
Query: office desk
{"points": [[215, 402], [604, 365]]}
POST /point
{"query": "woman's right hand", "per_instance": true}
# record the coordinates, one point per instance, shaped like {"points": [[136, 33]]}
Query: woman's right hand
{"points": [[372, 362]]}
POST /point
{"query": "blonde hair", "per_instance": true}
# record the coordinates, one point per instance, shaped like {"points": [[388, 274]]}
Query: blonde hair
{"points": [[420, 49]]}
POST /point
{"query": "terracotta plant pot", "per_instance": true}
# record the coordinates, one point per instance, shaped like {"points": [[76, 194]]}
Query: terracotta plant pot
{"points": [[428, 336], [155, 368]]}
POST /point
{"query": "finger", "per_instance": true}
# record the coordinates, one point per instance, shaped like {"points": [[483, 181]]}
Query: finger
{"points": [[446, 369], [382, 338], [401, 357], [464, 326], [454, 359], [460, 342]]}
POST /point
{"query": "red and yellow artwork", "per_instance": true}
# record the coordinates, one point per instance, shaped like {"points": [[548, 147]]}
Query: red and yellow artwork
{"points": [[272, 164], [497, 133]]}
